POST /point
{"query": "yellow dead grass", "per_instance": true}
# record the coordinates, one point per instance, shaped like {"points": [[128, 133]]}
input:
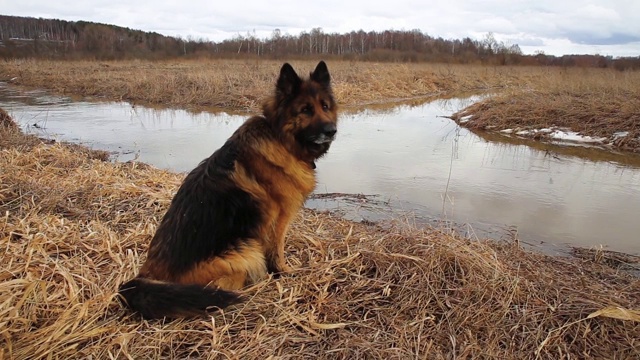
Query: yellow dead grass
{"points": [[73, 227], [242, 84]]}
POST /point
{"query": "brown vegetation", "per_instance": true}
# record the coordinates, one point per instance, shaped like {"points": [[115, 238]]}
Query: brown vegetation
{"points": [[73, 228], [6, 122], [11, 136], [595, 102], [242, 84]]}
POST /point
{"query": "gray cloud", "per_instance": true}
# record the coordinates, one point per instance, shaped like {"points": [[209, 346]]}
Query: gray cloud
{"points": [[528, 41], [613, 39]]}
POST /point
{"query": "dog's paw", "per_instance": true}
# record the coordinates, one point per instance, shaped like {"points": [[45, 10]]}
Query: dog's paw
{"points": [[280, 270]]}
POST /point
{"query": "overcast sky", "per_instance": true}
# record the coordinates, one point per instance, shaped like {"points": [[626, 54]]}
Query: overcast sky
{"points": [[606, 27]]}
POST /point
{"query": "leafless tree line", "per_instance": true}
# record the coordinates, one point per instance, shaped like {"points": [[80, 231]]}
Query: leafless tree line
{"points": [[50, 38]]}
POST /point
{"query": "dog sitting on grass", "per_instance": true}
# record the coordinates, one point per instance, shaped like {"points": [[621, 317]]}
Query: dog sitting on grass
{"points": [[226, 226]]}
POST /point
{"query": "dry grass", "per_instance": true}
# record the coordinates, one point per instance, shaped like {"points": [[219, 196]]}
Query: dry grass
{"points": [[72, 228], [6, 122], [241, 85], [12, 137], [593, 102]]}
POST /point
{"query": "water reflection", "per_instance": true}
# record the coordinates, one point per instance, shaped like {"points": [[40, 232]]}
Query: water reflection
{"points": [[411, 157]]}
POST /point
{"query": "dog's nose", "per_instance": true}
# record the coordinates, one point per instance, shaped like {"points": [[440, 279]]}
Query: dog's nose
{"points": [[329, 129]]}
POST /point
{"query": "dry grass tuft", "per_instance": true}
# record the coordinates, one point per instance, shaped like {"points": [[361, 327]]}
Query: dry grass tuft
{"points": [[6, 122], [72, 228], [593, 102], [11, 136]]}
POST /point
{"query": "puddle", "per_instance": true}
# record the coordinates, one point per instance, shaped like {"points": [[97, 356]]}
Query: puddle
{"points": [[407, 162]]}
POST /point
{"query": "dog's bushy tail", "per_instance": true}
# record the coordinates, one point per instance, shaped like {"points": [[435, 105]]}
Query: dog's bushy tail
{"points": [[158, 299]]}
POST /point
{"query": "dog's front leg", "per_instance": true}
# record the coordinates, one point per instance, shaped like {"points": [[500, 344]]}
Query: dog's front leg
{"points": [[276, 262]]}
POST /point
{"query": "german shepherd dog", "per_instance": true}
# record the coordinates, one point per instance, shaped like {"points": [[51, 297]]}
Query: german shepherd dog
{"points": [[226, 225]]}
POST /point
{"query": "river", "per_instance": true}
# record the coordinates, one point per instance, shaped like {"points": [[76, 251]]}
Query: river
{"points": [[407, 163]]}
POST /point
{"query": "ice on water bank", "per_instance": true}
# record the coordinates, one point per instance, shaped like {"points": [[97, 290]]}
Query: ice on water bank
{"points": [[560, 134], [465, 119], [620, 139], [565, 135], [620, 134]]}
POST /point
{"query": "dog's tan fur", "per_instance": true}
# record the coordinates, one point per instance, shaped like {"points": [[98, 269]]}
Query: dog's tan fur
{"points": [[227, 224]]}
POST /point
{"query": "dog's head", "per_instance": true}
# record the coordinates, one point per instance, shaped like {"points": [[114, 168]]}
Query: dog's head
{"points": [[304, 111]]}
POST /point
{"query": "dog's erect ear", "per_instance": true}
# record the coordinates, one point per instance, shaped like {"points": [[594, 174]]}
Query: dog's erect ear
{"points": [[288, 82], [321, 75]]}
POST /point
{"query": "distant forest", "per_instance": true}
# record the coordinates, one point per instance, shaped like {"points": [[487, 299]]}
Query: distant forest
{"points": [[24, 37]]}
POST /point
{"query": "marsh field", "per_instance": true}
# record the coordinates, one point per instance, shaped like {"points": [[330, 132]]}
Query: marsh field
{"points": [[74, 226], [600, 103]]}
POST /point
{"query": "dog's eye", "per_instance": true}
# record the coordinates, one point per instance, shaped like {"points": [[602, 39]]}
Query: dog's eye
{"points": [[325, 106], [307, 110]]}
